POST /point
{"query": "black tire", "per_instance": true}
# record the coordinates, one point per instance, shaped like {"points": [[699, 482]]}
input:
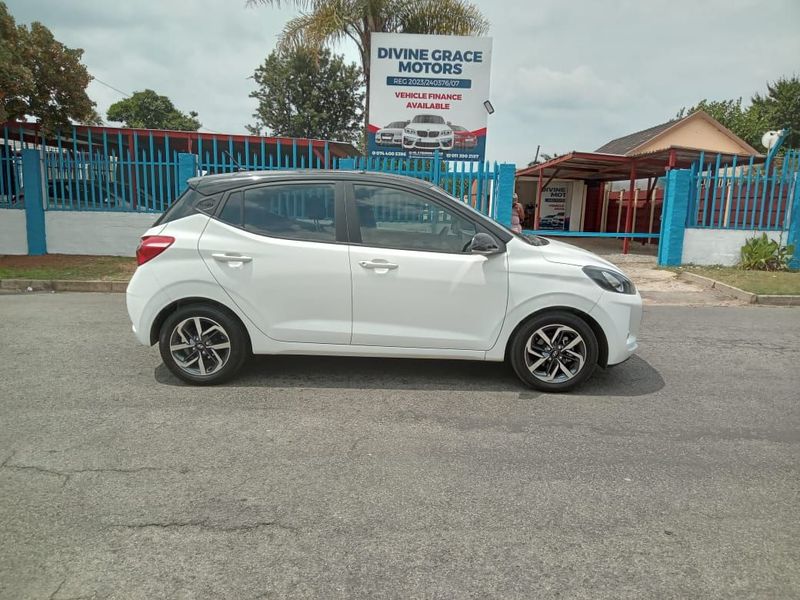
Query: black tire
{"points": [[565, 328], [208, 348]]}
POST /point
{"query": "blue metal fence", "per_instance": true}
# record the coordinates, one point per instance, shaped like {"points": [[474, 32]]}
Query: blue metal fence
{"points": [[135, 171], [743, 196]]}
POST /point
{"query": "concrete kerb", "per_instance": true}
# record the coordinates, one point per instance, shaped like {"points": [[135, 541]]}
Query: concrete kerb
{"points": [[62, 285], [749, 297]]}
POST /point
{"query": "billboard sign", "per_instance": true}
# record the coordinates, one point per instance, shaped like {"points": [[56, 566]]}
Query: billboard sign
{"points": [[427, 94]]}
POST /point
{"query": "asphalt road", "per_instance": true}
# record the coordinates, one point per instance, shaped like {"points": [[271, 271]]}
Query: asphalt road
{"points": [[674, 475]]}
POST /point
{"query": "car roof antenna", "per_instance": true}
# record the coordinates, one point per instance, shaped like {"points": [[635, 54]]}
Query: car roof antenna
{"points": [[233, 160]]}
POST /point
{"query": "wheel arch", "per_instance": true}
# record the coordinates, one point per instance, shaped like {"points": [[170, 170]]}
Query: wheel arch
{"points": [[602, 340], [170, 308]]}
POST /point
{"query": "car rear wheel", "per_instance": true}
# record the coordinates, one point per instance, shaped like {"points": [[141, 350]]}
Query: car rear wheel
{"points": [[554, 352], [202, 344]]}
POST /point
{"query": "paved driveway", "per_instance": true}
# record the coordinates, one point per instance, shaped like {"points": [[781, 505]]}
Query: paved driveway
{"points": [[673, 475]]}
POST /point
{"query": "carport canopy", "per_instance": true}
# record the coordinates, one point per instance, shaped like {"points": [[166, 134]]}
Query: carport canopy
{"points": [[596, 166]]}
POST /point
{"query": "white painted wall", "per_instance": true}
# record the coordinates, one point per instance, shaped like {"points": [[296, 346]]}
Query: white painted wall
{"points": [[13, 235], [103, 233], [576, 204], [717, 246]]}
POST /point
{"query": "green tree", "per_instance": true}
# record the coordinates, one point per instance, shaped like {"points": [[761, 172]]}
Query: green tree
{"points": [[148, 110], [305, 93], [40, 77], [324, 22], [780, 109]]}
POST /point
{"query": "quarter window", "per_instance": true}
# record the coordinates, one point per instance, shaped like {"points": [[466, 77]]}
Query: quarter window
{"points": [[298, 212], [231, 213], [395, 218]]}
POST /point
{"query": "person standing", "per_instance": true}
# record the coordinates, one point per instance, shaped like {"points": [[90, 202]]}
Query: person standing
{"points": [[517, 215]]}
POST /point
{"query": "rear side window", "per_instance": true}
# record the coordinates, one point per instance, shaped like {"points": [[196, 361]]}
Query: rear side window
{"points": [[231, 213], [298, 212], [190, 202]]}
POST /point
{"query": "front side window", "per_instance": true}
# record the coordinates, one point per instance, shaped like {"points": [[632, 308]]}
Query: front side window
{"points": [[297, 212], [395, 218]]}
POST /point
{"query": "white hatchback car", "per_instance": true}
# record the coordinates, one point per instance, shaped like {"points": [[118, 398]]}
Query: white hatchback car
{"points": [[368, 264]]}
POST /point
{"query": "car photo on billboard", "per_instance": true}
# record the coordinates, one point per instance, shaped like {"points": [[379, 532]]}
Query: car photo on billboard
{"points": [[392, 134], [463, 138], [428, 132]]}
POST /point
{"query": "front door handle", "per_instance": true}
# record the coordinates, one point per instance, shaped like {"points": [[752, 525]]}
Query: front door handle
{"points": [[230, 258], [377, 264]]}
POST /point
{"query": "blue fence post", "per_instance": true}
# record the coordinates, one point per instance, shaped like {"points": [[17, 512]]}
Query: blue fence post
{"points": [[673, 217], [504, 193], [34, 202], [793, 213], [187, 168], [347, 164]]}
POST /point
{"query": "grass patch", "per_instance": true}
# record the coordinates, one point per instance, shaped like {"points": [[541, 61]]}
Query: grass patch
{"points": [[63, 266], [756, 282]]}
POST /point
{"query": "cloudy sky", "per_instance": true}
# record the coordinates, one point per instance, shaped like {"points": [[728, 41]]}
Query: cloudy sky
{"points": [[566, 75]]}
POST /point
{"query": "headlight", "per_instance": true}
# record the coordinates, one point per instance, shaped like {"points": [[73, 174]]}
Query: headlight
{"points": [[409, 131], [610, 280]]}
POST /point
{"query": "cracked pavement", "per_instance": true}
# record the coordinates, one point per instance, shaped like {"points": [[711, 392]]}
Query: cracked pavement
{"points": [[673, 475]]}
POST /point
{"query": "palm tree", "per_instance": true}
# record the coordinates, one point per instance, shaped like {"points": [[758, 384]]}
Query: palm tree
{"points": [[324, 22]]}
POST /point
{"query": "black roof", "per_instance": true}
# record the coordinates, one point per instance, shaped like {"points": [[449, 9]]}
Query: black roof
{"points": [[626, 143]]}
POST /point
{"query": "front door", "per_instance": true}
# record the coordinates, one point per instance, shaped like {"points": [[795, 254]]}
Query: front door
{"points": [[414, 283], [274, 250]]}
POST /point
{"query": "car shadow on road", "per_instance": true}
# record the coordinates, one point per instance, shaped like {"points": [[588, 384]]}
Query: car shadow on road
{"points": [[633, 378]]}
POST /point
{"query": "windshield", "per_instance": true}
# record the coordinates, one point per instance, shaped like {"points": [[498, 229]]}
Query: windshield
{"points": [[457, 128], [396, 125], [429, 119]]}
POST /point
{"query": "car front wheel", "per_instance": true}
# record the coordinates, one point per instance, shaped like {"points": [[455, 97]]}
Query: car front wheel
{"points": [[554, 352], [202, 344]]}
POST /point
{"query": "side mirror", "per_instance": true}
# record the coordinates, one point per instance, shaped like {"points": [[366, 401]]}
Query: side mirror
{"points": [[483, 243]]}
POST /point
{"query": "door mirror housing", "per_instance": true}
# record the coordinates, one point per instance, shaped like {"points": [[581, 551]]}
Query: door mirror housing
{"points": [[483, 243]]}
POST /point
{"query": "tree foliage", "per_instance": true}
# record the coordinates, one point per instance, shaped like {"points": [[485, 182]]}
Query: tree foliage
{"points": [[779, 108], [148, 110], [324, 22], [305, 93], [40, 77]]}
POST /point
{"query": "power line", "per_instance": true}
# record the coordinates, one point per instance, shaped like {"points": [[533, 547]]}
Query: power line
{"points": [[116, 89]]}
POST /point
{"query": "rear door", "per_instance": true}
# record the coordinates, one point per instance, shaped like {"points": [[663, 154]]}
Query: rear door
{"points": [[276, 250]]}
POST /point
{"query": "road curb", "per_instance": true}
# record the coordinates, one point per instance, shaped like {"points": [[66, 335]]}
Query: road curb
{"points": [[63, 285], [749, 297]]}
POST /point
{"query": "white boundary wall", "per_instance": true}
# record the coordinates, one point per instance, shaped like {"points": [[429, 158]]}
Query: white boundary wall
{"points": [[13, 232], [717, 246], [102, 233]]}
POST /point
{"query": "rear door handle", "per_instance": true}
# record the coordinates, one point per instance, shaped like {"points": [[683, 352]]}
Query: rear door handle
{"points": [[230, 258], [377, 264]]}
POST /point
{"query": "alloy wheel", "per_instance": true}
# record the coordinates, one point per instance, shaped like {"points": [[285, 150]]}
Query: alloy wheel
{"points": [[200, 346], [555, 353]]}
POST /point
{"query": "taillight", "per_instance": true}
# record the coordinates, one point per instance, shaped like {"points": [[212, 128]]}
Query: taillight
{"points": [[151, 246]]}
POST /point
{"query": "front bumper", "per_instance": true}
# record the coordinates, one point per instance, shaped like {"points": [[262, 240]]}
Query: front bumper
{"points": [[620, 317], [390, 140], [413, 142], [466, 144]]}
